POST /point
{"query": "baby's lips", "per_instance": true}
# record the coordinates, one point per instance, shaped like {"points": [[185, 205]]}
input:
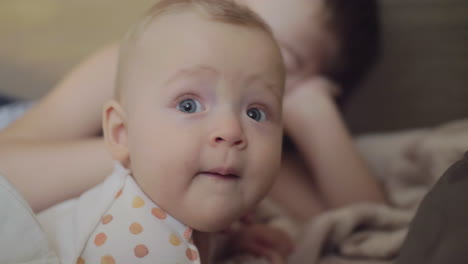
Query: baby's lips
{"points": [[224, 171]]}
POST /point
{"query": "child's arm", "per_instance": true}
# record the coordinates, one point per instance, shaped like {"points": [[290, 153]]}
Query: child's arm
{"points": [[72, 109], [294, 191], [50, 172], [313, 122], [49, 153]]}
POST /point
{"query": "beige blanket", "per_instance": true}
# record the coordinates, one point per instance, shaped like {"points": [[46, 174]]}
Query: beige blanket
{"points": [[407, 164]]}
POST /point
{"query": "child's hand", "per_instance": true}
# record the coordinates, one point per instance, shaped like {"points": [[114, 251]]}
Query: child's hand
{"points": [[310, 103], [263, 241], [317, 85]]}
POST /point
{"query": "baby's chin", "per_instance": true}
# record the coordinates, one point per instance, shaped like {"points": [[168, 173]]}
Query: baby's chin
{"points": [[209, 222]]}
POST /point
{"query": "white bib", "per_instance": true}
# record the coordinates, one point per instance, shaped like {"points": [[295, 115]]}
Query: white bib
{"points": [[135, 230]]}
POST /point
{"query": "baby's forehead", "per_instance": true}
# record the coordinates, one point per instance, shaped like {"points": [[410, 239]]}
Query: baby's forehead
{"points": [[227, 12], [171, 27], [159, 45], [145, 36]]}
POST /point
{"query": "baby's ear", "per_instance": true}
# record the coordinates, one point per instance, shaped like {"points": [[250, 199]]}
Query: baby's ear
{"points": [[115, 131]]}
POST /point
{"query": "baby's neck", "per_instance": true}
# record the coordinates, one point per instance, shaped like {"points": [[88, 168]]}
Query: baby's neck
{"points": [[202, 241]]}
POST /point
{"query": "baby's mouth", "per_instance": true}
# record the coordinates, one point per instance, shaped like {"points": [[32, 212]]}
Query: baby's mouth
{"points": [[223, 173]]}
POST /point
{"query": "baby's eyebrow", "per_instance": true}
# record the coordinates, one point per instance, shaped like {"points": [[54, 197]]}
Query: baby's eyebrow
{"points": [[203, 69], [191, 71]]}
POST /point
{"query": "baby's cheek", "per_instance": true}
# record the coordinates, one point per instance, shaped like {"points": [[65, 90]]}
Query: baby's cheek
{"points": [[268, 167]]}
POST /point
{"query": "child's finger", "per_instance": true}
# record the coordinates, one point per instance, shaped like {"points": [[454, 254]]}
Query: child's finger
{"points": [[247, 219], [256, 249], [265, 252], [275, 239], [274, 257]]}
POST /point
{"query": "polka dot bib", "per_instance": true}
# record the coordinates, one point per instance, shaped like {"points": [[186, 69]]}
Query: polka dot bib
{"points": [[135, 230]]}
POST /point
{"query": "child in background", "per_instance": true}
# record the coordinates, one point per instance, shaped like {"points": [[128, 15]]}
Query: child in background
{"points": [[328, 47], [196, 133]]}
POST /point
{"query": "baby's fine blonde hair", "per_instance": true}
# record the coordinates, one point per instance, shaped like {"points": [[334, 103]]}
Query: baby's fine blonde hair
{"points": [[224, 11]]}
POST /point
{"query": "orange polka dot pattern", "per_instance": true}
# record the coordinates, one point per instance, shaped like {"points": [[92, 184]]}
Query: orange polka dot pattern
{"points": [[100, 239], [117, 195], [158, 213], [191, 254], [138, 202], [135, 230], [107, 219], [107, 259], [141, 251]]}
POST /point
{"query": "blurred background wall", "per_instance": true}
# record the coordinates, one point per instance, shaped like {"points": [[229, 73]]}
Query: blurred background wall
{"points": [[421, 79], [40, 40]]}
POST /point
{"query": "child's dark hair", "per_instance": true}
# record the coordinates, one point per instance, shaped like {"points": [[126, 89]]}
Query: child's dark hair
{"points": [[357, 27]]}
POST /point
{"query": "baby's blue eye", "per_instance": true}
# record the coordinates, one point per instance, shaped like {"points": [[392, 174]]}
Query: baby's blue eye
{"points": [[189, 106], [256, 114]]}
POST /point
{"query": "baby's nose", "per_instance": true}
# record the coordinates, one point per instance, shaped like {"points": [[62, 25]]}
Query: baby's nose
{"points": [[229, 133]]}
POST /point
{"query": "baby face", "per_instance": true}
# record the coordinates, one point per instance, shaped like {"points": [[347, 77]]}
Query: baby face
{"points": [[203, 117], [307, 43]]}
